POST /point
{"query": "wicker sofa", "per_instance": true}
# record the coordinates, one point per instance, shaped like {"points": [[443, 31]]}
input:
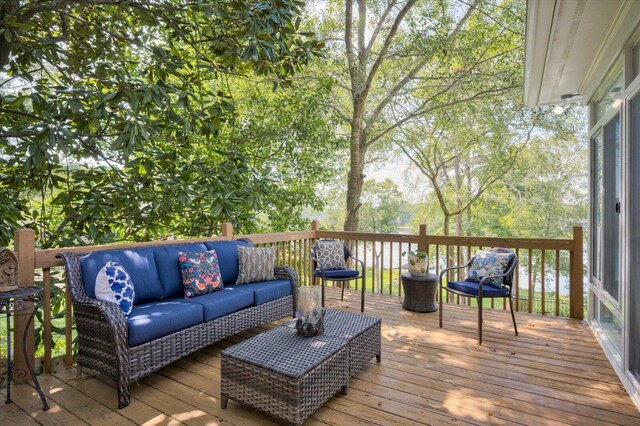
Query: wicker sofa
{"points": [[164, 326]]}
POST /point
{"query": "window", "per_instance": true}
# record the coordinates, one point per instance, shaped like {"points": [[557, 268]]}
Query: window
{"points": [[634, 236], [610, 98], [635, 61], [596, 191]]}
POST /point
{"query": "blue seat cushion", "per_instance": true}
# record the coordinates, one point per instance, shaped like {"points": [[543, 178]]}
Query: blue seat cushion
{"points": [[166, 258], [227, 258], [223, 302], [266, 291], [139, 264], [338, 273], [157, 319], [472, 288]]}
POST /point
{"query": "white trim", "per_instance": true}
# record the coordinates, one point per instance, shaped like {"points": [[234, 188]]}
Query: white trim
{"points": [[622, 28], [538, 12]]}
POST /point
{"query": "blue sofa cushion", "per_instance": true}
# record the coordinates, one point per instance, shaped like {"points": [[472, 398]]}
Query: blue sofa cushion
{"points": [[158, 319], [338, 273], [166, 258], [266, 291], [140, 265], [223, 302], [227, 258], [472, 288]]}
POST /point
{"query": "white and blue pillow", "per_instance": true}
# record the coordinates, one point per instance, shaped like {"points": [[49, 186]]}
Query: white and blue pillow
{"points": [[113, 284], [488, 263]]}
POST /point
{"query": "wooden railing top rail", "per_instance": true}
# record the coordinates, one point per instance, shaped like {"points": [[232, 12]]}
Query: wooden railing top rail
{"points": [[279, 237], [453, 240]]}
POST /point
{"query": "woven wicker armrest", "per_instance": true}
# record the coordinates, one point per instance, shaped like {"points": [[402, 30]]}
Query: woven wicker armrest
{"points": [[287, 273]]}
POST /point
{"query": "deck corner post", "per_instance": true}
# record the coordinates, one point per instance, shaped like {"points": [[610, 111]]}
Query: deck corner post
{"points": [[227, 230], [25, 250], [576, 286]]}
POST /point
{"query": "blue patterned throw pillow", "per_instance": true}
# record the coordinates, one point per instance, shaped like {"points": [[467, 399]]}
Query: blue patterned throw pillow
{"points": [[200, 273], [487, 263], [113, 284]]}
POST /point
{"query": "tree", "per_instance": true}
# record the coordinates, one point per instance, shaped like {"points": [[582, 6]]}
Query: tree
{"points": [[396, 52], [117, 118], [384, 209]]}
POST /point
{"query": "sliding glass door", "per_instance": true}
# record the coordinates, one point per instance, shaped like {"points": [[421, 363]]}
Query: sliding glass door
{"points": [[634, 237]]}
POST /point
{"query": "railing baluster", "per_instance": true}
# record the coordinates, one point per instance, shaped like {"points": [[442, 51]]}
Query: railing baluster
{"points": [[46, 337], [517, 283], [531, 289], [400, 269], [557, 283], [382, 268], [390, 268], [542, 283], [68, 356]]}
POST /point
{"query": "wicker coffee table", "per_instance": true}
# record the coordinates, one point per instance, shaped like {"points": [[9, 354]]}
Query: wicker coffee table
{"points": [[285, 375], [362, 332], [288, 376]]}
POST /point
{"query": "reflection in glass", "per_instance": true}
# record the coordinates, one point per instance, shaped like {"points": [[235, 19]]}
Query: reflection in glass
{"points": [[634, 237]]}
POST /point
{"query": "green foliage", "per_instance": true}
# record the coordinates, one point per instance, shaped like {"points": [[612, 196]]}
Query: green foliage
{"points": [[118, 120]]}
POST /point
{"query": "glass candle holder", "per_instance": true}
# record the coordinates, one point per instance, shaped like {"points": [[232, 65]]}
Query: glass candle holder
{"points": [[310, 314]]}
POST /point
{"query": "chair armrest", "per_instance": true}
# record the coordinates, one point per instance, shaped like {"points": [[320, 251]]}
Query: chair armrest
{"points": [[287, 273], [451, 268], [358, 261]]}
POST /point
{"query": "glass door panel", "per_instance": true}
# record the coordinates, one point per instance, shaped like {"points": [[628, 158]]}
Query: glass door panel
{"points": [[596, 207], [611, 208], [634, 237]]}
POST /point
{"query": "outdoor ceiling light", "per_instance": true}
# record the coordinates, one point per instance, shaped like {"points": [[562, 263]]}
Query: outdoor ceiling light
{"points": [[558, 109]]}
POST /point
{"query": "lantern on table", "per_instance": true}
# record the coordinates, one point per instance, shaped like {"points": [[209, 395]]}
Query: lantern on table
{"points": [[310, 314]]}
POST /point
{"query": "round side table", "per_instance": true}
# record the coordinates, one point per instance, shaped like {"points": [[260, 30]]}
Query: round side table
{"points": [[12, 302], [420, 292]]}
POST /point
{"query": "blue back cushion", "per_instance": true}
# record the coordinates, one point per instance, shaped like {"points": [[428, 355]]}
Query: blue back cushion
{"points": [[227, 257], [168, 267], [139, 264], [266, 291]]}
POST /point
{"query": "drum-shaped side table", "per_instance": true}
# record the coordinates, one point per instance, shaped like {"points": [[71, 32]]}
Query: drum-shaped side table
{"points": [[420, 292]]}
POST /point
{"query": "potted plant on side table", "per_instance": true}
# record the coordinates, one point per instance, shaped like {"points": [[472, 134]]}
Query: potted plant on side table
{"points": [[418, 263]]}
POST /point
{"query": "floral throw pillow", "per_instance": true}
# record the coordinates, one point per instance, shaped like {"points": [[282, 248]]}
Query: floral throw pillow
{"points": [[113, 284], [256, 264], [200, 273], [330, 254], [487, 263]]}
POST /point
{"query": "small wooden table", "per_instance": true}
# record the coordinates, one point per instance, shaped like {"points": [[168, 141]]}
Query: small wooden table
{"points": [[420, 292]]}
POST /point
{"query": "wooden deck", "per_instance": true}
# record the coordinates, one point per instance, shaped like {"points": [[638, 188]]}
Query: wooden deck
{"points": [[553, 373]]}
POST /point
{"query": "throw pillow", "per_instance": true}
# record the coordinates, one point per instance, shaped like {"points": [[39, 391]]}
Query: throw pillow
{"points": [[256, 264], [200, 273], [330, 254], [113, 284], [487, 263]]}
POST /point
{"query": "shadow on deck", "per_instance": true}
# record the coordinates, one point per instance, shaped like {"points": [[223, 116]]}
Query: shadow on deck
{"points": [[553, 373]]}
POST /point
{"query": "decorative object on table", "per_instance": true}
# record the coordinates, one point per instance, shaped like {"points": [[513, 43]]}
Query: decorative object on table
{"points": [[487, 275], [310, 313], [420, 292], [200, 273], [113, 284], [23, 299], [341, 275], [418, 263], [256, 264], [8, 265]]}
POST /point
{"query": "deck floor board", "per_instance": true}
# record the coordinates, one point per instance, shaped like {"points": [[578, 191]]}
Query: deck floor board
{"points": [[553, 373]]}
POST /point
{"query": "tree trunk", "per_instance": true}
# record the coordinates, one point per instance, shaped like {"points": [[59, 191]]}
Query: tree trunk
{"points": [[447, 220], [356, 169]]}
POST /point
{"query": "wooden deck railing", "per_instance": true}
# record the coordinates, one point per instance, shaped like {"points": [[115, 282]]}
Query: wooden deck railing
{"points": [[540, 259]]}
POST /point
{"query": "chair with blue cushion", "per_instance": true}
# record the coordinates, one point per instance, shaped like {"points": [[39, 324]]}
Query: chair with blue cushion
{"points": [[341, 275], [484, 282]]}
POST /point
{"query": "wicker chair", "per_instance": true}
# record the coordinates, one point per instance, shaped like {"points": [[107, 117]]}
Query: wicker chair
{"points": [[481, 290], [343, 276]]}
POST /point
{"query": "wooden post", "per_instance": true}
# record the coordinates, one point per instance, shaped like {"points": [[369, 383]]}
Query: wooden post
{"points": [[576, 283], [25, 247], [422, 238], [315, 226], [226, 229]]}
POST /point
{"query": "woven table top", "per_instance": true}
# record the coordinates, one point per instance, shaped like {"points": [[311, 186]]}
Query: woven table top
{"points": [[343, 324], [283, 351]]}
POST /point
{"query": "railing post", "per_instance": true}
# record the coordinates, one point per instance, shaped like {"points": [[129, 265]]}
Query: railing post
{"points": [[226, 229], [315, 227], [25, 247], [422, 238], [576, 283]]}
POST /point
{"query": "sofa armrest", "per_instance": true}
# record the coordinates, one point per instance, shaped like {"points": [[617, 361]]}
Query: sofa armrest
{"points": [[97, 321], [287, 273]]}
